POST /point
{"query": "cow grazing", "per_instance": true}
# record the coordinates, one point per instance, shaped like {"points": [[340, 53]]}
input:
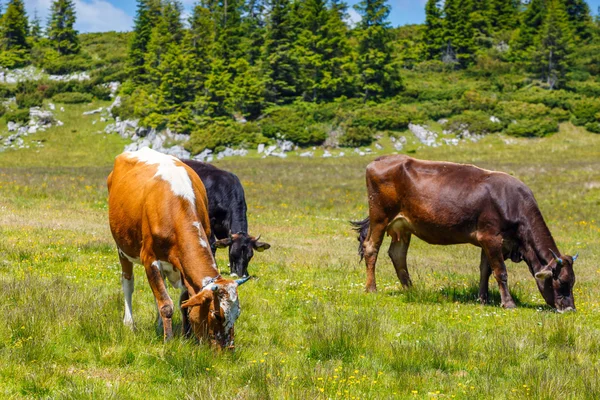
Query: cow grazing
{"points": [[158, 216], [446, 203], [227, 212]]}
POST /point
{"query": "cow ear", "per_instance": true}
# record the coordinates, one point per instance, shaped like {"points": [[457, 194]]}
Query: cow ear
{"points": [[222, 243], [199, 299], [261, 246]]}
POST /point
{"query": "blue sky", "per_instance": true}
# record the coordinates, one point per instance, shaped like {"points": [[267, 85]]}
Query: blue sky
{"points": [[107, 15]]}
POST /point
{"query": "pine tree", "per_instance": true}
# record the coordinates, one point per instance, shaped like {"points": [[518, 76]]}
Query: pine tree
{"points": [[253, 27], [60, 31], [503, 14], [36, 28], [15, 26], [580, 19], [531, 23], [379, 76], [171, 13], [459, 34], [553, 57], [279, 65], [198, 44], [148, 13], [434, 29]]}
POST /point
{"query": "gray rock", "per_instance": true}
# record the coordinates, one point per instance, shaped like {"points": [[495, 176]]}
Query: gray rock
{"points": [[495, 120], [424, 135], [13, 126], [378, 146], [326, 154], [307, 154], [91, 112], [261, 148]]}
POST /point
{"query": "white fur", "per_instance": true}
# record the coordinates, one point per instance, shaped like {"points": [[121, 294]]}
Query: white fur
{"points": [[131, 259], [231, 307], [201, 239], [177, 176], [128, 287], [174, 276]]}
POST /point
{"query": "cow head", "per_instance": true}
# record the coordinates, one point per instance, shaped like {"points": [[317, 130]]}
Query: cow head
{"points": [[241, 250], [214, 310], [556, 282]]}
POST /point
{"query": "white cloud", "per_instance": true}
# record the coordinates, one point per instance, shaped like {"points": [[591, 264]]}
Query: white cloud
{"points": [[92, 15], [353, 17]]}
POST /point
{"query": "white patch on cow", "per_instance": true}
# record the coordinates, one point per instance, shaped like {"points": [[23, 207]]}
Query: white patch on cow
{"points": [[177, 176], [131, 259], [174, 276], [201, 239], [128, 287], [231, 306]]}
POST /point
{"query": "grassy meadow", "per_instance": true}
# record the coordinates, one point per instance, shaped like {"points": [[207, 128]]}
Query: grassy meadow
{"points": [[307, 329]]}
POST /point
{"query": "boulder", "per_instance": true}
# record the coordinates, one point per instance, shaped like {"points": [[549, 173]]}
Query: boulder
{"points": [[91, 112]]}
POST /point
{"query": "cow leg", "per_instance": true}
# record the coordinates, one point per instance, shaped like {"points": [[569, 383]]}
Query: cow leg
{"points": [[164, 302], [493, 251], [397, 252], [186, 328], [484, 278], [127, 284], [371, 250]]}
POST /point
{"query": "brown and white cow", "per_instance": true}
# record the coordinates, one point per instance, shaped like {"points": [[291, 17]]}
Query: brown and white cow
{"points": [[446, 203], [158, 214]]}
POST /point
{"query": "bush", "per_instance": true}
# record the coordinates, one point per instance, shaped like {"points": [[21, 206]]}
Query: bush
{"points": [[533, 128], [17, 116], [517, 110], [290, 124], [221, 134], [440, 109], [593, 127], [73, 98], [67, 64], [28, 100], [476, 100], [356, 136], [475, 121], [384, 117], [2, 109], [584, 111], [6, 92]]}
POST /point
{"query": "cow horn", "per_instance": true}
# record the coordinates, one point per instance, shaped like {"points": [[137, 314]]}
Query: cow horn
{"points": [[257, 238], [556, 258], [242, 281], [575, 257]]}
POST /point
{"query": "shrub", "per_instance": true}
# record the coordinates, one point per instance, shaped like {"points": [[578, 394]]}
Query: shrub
{"points": [[440, 109], [584, 111], [67, 64], [6, 92], [475, 121], [28, 100], [384, 117], [593, 127], [220, 134], [476, 100], [14, 58], [516, 110], [287, 123], [2, 109], [72, 98], [356, 136], [17, 116], [533, 128]]}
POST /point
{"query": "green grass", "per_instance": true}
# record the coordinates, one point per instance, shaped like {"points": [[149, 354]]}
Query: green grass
{"points": [[307, 329]]}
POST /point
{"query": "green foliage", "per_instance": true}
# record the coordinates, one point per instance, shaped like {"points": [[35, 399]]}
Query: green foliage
{"points": [[533, 128], [434, 31], [357, 136], [221, 134], [475, 122], [379, 75], [14, 27], [6, 91], [68, 64], [20, 115], [60, 31], [385, 117], [28, 100], [292, 124], [73, 98], [148, 12], [585, 111], [458, 31]]}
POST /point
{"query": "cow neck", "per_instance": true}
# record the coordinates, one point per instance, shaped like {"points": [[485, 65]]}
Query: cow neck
{"points": [[538, 242], [196, 259]]}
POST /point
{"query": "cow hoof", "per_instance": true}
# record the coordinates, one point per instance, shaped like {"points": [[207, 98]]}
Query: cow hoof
{"points": [[483, 300], [509, 305], [233, 275], [371, 289]]}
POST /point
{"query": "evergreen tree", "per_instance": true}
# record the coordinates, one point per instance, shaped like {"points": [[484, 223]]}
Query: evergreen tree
{"points": [[279, 65], [553, 57], [160, 40], [198, 44], [171, 13], [36, 28], [434, 31], [503, 14], [253, 27], [459, 34], [60, 31], [148, 13], [15, 26], [531, 23], [379, 76], [580, 19]]}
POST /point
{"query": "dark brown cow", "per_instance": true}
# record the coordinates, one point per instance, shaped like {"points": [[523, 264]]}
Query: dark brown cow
{"points": [[158, 214], [446, 203]]}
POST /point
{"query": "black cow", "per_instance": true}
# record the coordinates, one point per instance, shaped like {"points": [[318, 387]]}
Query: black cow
{"points": [[227, 213]]}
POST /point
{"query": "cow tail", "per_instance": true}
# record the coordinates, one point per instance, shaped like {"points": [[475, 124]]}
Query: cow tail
{"points": [[362, 228]]}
